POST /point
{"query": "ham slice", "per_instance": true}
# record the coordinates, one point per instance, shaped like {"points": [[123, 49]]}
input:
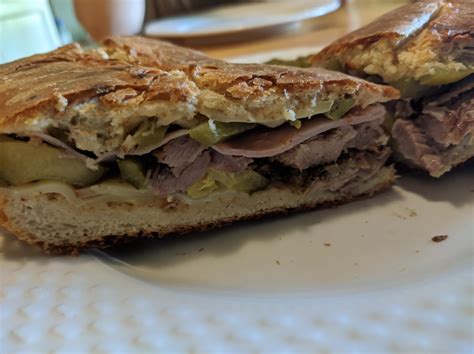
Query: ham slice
{"points": [[271, 142]]}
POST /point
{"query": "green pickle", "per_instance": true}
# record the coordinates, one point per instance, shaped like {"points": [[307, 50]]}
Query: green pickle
{"points": [[132, 171], [334, 65], [300, 62], [444, 77], [22, 162], [410, 88], [296, 124], [203, 187], [212, 132], [149, 133], [247, 181], [323, 106], [414, 89], [340, 107]]}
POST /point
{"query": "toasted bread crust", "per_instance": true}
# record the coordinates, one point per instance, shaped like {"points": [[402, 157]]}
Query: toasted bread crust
{"points": [[439, 25], [240, 81], [48, 86], [97, 99], [395, 26]]}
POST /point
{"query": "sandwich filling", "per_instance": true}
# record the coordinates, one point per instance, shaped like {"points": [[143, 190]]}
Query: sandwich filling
{"points": [[436, 132], [426, 51], [209, 157]]}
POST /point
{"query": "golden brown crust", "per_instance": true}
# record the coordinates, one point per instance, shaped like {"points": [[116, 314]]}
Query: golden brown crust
{"points": [[42, 90], [113, 240], [237, 80], [48, 84], [445, 25]]}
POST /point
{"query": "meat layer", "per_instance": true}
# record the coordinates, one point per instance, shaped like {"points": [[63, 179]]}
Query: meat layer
{"points": [[184, 161], [439, 134]]}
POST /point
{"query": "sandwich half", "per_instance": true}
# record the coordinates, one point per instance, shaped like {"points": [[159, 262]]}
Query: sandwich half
{"points": [[143, 138], [426, 50]]}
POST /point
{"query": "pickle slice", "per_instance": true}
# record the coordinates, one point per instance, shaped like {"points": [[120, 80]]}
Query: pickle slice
{"points": [[323, 106], [334, 65], [444, 77], [296, 124], [147, 135], [22, 162], [300, 62], [203, 187], [133, 172], [247, 181], [410, 88], [340, 107], [212, 132]]}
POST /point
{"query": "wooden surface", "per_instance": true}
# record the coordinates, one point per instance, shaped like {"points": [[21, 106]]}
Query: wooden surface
{"points": [[316, 32]]}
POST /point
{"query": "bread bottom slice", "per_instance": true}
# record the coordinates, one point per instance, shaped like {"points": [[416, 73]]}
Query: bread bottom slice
{"points": [[61, 225]]}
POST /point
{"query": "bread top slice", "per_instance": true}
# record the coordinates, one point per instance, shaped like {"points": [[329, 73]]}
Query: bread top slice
{"points": [[262, 93], [415, 41], [94, 98], [99, 97]]}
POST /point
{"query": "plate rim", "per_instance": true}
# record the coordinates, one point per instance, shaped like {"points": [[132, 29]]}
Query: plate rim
{"points": [[317, 11]]}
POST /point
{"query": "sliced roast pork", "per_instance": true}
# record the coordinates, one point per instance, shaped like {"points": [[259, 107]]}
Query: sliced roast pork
{"points": [[448, 123], [441, 134], [327, 147], [185, 161], [228, 163], [369, 135], [413, 145], [324, 148], [179, 153], [359, 166], [167, 180]]}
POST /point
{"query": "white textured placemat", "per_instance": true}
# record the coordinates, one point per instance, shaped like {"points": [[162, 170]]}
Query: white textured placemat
{"points": [[56, 305]]}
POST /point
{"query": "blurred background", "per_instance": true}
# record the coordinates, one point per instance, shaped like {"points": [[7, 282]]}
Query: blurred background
{"points": [[219, 27]]}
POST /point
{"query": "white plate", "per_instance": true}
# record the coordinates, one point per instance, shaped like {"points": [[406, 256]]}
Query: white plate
{"points": [[373, 244], [363, 277], [239, 17]]}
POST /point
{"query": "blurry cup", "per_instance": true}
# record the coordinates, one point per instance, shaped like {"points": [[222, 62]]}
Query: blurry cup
{"points": [[103, 18]]}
